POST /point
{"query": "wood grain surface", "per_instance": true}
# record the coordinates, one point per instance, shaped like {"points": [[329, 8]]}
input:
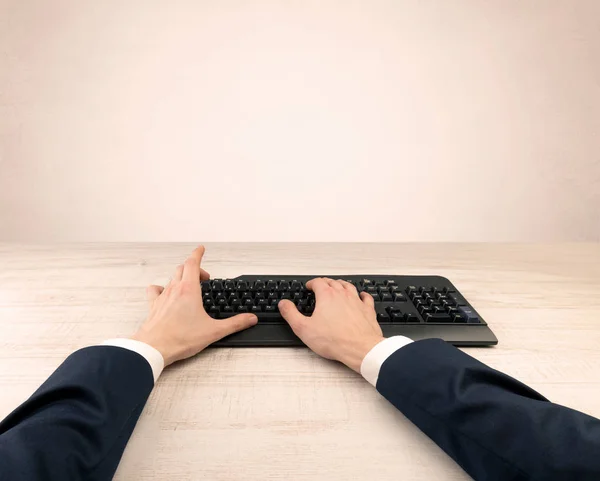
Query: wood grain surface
{"points": [[285, 414]]}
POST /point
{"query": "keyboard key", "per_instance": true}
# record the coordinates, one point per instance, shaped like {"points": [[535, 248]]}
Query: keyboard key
{"points": [[390, 282], [383, 317], [229, 285], [394, 288], [375, 296], [372, 290], [259, 285], [399, 297], [458, 318], [437, 318], [217, 285], [397, 317], [213, 311], [386, 297], [458, 299], [270, 317], [420, 303], [410, 317], [411, 289], [469, 314]]}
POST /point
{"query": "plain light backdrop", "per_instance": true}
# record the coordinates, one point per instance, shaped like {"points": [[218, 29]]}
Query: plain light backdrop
{"points": [[397, 120]]}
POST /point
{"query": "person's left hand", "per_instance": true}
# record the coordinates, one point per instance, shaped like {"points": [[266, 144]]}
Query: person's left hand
{"points": [[178, 326]]}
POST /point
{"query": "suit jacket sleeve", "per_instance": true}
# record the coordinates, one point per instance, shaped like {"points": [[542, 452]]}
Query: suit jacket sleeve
{"points": [[493, 426], [76, 425]]}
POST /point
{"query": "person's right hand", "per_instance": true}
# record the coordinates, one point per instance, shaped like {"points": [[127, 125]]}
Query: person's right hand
{"points": [[344, 325]]}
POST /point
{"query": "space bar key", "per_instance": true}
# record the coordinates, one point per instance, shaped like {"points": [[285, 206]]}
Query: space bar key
{"points": [[269, 317]]}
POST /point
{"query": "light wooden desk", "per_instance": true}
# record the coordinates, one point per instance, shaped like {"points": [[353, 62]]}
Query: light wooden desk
{"points": [[285, 414]]}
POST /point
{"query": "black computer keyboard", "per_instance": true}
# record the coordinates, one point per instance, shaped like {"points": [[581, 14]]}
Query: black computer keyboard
{"points": [[418, 307]]}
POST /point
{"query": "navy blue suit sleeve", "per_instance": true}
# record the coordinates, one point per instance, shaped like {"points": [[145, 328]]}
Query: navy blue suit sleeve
{"points": [[493, 426], [76, 425]]}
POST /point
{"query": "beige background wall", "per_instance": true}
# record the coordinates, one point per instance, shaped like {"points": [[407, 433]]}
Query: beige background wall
{"points": [[299, 120]]}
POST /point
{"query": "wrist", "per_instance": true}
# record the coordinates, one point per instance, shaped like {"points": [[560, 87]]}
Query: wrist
{"points": [[147, 338], [354, 355]]}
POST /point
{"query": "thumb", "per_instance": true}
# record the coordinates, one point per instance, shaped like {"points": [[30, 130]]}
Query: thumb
{"points": [[152, 292], [235, 324], [290, 313]]}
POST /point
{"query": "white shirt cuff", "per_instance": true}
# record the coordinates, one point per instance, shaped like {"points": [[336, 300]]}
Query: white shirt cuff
{"points": [[371, 364], [154, 358]]}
